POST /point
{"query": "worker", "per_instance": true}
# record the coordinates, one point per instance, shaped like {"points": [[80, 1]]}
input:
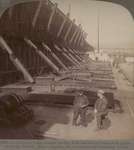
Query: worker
{"points": [[80, 108], [116, 61], [101, 109]]}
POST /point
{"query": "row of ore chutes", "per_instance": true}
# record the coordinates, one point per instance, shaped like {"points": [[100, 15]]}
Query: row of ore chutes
{"points": [[37, 38]]}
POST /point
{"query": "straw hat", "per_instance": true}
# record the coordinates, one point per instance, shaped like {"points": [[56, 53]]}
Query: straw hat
{"points": [[100, 91]]}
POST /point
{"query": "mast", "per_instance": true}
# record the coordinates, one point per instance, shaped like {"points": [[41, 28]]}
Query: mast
{"points": [[98, 30]]}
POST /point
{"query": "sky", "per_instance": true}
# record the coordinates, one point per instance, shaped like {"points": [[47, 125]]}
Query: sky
{"points": [[116, 23]]}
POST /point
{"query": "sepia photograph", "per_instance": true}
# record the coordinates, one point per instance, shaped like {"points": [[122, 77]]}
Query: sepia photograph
{"points": [[67, 69]]}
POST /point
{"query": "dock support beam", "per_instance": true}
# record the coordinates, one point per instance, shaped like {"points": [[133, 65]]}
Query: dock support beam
{"points": [[55, 56], [16, 61], [42, 55], [77, 35], [80, 38], [65, 53], [51, 16], [72, 57], [76, 54], [69, 30], [73, 36], [62, 25], [37, 13]]}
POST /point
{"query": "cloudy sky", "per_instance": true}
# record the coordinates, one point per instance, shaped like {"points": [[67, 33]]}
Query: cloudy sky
{"points": [[116, 23]]}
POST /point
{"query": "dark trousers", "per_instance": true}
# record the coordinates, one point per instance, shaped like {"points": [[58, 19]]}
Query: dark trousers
{"points": [[82, 113], [100, 118]]}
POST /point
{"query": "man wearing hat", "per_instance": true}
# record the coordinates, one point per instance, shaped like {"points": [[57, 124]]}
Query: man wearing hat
{"points": [[101, 108], [80, 108]]}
